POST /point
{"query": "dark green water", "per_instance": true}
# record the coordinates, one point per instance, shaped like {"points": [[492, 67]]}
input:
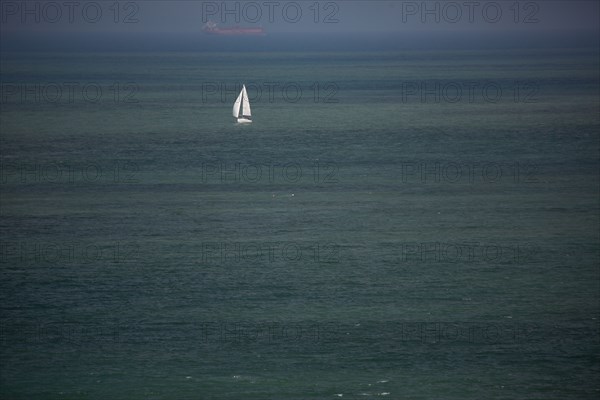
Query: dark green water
{"points": [[372, 237]]}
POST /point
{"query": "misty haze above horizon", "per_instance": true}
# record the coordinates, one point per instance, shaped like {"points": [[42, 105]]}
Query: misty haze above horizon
{"points": [[296, 25]]}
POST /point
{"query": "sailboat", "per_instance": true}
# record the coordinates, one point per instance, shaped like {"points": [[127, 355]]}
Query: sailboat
{"points": [[242, 104]]}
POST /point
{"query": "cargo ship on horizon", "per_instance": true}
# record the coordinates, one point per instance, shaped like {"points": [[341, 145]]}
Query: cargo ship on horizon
{"points": [[211, 28]]}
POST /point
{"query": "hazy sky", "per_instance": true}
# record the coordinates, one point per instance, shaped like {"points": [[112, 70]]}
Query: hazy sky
{"points": [[42, 19]]}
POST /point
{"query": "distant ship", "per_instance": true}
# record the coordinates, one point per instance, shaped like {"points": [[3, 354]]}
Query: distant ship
{"points": [[211, 28]]}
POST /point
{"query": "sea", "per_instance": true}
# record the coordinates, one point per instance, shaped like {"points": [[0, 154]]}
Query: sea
{"points": [[417, 224]]}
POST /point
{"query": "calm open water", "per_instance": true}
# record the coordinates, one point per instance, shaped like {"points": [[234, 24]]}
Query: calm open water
{"points": [[417, 225]]}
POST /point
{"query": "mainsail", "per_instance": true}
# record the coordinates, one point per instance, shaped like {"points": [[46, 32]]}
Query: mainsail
{"points": [[245, 103]]}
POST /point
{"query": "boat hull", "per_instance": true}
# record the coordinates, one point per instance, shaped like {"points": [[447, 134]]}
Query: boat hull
{"points": [[235, 31], [244, 121]]}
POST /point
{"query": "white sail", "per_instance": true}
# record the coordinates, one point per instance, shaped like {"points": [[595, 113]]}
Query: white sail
{"points": [[245, 103], [236, 105]]}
